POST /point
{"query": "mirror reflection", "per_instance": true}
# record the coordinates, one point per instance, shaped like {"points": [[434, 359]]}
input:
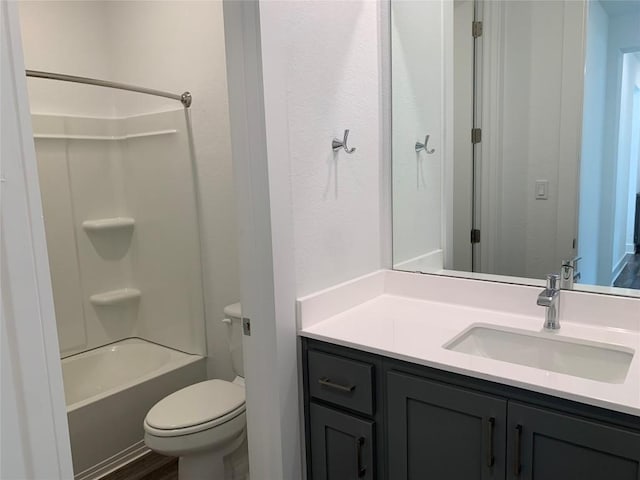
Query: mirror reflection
{"points": [[516, 154]]}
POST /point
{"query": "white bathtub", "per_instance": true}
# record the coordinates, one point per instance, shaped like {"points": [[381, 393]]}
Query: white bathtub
{"points": [[109, 391]]}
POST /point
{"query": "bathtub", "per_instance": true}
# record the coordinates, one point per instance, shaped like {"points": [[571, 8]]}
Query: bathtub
{"points": [[109, 391]]}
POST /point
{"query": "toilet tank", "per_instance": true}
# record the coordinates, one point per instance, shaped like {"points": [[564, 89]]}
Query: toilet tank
{"points": [[234, 314]]}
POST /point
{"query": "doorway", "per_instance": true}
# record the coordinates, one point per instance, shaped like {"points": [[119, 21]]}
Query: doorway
{"points": [[609, 184]]}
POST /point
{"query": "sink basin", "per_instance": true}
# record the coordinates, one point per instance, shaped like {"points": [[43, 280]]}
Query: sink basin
{"points": [[591, 360]]}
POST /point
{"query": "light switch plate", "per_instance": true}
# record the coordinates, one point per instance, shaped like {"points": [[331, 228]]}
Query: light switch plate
{"points": [[542, 189]]}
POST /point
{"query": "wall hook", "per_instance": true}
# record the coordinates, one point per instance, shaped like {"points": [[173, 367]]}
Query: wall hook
{"points": [[337, 144], [424, 146]]}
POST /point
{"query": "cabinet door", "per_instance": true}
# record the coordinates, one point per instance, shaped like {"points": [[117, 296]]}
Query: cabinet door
{"points": [[440, 432], [341, 445], [546, 445]]}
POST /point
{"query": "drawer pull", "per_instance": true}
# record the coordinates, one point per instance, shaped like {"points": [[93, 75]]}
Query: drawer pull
{"points": [[326, 382], [517, 468], [361, 470], [490, 457]]}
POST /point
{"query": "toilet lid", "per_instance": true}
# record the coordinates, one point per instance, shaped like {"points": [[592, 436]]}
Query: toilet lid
{"points": [[199, 403]]}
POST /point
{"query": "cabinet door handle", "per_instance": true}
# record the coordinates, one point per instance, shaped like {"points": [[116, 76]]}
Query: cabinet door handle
{"points": [[489, 442], [324, 381], [361, 470], [517, 467]]}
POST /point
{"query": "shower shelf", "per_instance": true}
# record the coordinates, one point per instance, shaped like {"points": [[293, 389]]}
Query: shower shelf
{"points": [[115, 297], [108, 224], [64, 136]]}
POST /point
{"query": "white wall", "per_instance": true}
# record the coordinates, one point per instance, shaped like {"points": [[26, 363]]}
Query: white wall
{"points": [[634, 164], [311, 218], [73, 38], [417, 96], [128, 42], [595, 84], [635, 141], [623, 35], [332, 83], [625, 193]]}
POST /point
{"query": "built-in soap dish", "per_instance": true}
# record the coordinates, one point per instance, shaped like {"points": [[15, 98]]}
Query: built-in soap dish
{"points": [[105, 224], [115, 297]]}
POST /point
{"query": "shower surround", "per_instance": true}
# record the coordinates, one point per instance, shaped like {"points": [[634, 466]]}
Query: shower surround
{"points": [[122, 229]]}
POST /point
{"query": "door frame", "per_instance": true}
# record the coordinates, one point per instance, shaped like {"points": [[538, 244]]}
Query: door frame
{"points": [[272, 353], [34, 431]]}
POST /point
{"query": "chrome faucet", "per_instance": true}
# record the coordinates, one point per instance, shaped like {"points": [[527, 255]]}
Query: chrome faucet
{"points": [[550, 298], [569, 273]]}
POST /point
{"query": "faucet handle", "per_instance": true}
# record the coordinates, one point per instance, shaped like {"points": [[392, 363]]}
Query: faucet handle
{"points": [[552, 281], [573, 263]]}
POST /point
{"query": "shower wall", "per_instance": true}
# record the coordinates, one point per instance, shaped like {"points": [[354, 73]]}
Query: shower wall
{"points": [[170, 45], [179, 45], [122, 230], [92, 167]]}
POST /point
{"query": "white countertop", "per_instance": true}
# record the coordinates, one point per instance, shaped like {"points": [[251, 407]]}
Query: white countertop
{"points": [[410, 317]]}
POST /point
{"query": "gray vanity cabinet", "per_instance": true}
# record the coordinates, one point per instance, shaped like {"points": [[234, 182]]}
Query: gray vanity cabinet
{"points": [[436, 431], [343, 413], [546, 445], [341, 445], [375, 418]]}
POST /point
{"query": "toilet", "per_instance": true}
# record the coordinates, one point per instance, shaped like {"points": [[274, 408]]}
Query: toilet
{"points": [[205, 422]]}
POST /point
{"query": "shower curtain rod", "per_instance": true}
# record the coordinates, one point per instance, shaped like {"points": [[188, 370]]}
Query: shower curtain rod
{"points": [[184, 98]]}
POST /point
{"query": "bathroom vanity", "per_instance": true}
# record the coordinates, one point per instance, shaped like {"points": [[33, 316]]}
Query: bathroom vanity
{"points": [[409, 376], [384, 418]]}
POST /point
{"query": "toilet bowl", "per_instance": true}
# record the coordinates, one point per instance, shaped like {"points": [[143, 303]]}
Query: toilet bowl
{"points": [[205, 422]]}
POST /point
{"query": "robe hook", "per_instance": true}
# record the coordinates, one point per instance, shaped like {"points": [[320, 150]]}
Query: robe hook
{"points": [[337, 144], [424, 146]]}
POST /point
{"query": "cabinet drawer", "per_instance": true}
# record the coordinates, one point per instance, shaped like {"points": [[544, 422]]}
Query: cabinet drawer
{"points": [[341, 381]]}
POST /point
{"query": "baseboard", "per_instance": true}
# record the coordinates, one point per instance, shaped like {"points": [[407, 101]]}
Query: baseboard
{"points": [[117, 461], [619, 267]]}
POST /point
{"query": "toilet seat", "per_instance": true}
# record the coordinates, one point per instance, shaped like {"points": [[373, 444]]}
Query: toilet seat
{"points": [[178, 443], [196, 408]]}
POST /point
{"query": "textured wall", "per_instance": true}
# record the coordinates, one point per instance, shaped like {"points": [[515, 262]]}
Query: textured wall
{"points": [[332, 83]]}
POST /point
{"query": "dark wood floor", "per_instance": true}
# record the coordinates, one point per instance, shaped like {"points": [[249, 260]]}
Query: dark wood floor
{"points": [[152, 466], [630, 275]]}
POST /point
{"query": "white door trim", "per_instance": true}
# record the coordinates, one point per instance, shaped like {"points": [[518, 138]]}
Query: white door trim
{"points": [[34, 433], [267, 272]]}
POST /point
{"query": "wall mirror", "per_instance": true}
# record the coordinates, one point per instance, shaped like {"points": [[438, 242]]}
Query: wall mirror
{"points": [[515, 140]]}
